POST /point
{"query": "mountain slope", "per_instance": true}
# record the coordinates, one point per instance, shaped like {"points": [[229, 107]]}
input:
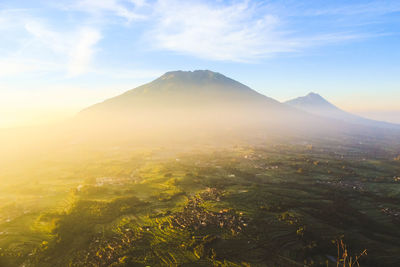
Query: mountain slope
{"points": [[189, 108], [205, 105], [315, 104], [190, 103], [185, 89]]}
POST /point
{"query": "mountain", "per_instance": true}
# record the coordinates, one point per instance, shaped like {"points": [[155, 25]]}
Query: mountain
{"points": [[196, 107], [206, 105], [315, 104], [190, 103], [179, 98], [185, 89]]}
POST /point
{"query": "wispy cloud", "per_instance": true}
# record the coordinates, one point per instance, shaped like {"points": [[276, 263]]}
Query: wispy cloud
{"points": [[81, 53], [46, 37], [237, 30], [221, 32], [77, 46], [126, 9], [242, 31]]}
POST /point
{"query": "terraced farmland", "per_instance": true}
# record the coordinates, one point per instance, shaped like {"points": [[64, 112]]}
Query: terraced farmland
{"points": [[242, 206]]}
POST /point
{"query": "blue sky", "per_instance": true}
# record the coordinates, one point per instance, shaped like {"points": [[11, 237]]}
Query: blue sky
{"points": [[57, 57]]}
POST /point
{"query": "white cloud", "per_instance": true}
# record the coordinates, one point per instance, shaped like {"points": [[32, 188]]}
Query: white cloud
{"points": [[233, 32], [237, 30], [241, 31], [78, 46], [81, 53], [54, 40], [31, 45], [139, 3], [248, 31], [124, 9]]}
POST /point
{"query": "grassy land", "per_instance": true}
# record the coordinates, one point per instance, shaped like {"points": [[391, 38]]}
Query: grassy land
{"points": [[280, 205]]}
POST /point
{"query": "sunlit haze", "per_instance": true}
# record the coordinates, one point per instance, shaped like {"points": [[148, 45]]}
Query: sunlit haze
{"points": [[212, 133]]}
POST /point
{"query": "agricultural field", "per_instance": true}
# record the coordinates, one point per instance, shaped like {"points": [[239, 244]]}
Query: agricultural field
{"points": [[270, 205]]}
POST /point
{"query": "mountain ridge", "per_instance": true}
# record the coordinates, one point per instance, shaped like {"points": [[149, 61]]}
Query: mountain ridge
{"points": [[187, 88], [200, 107], [317, 105], [311, 98], [192, 105]]}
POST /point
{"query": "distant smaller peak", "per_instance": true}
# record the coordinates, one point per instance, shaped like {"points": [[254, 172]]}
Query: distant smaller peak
{"points": [[310, 99]]}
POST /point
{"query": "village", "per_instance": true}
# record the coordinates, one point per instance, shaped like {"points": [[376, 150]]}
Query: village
{"points": [[345, 184], [194, 216], [393, 213]]}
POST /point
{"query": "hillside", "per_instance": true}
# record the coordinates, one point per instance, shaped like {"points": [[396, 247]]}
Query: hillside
{"points": [[185, 89], [189, 108], [317, 105], [186, 104]]}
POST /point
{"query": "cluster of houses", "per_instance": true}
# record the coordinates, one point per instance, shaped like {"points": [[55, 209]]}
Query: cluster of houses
{"points": [[393, 213], [271, 167], [253, 156], [354, 185], [100, 181], [194, 216], [288, 218], [264, 166], [103, 252], [211, 194]]}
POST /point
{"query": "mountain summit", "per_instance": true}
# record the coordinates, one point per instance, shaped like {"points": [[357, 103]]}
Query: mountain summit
{"points": [[185, 89], [311, 100], [315, 104]]}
